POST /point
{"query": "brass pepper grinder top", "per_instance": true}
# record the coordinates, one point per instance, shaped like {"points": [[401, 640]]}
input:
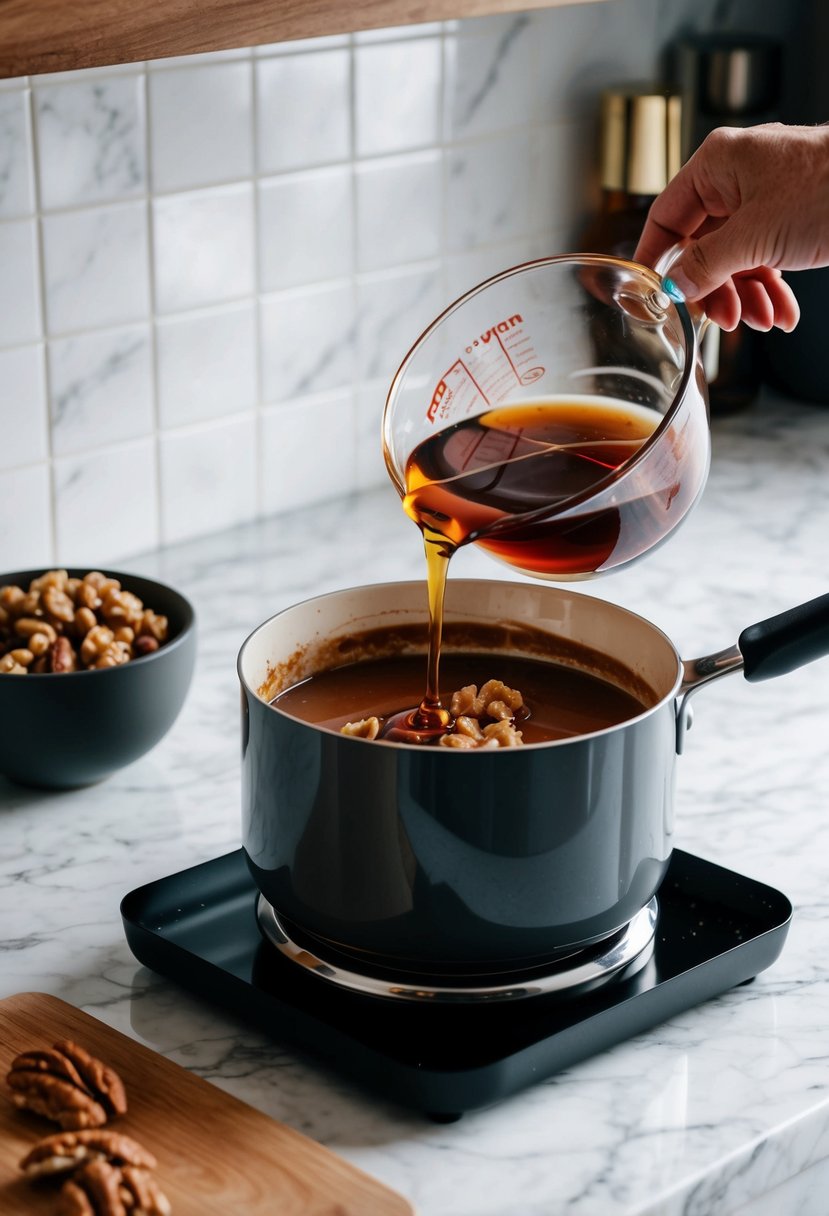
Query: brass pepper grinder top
{"points": [[640, 151]]}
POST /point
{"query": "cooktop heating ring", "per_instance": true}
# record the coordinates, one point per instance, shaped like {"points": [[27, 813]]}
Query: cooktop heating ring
{"points": [[629, 948]]}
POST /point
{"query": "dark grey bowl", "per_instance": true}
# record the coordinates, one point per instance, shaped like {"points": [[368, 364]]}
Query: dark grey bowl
{"points": [[62, 731]]}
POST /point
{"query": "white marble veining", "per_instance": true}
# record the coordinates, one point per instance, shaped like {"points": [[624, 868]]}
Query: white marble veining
{"points": [[95, 268], [487, 190], [87, 490], [397, 95], [717, 1112], [491, 83], [302, 109], [91, 140], [393, 308], [101, 386], [16, 182], [308, 338]]}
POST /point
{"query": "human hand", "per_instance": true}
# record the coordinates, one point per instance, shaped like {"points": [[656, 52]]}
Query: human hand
{"points": [[748, 204]]}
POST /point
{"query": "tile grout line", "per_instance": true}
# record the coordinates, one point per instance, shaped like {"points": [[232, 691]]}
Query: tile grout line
{"points": [[149, 223], [259, 431], [356, 343], [45, 364]]}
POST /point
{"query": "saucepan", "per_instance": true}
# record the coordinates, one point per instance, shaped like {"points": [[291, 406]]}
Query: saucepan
{"points": [[433, 859]]}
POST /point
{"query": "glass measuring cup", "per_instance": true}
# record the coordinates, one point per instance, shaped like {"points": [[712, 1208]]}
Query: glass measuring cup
{"points": [[597, 341]]}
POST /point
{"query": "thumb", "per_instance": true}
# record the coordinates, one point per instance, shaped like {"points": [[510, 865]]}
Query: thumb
{"points": [[712, 259]]}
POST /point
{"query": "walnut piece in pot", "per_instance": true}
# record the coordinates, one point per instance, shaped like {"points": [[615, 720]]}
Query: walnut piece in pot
{"points": [[366, 728], [469, 709]]}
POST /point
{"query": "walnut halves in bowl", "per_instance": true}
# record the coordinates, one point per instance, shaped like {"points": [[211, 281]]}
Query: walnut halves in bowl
{"points": [[62, 623], [103, 711]]}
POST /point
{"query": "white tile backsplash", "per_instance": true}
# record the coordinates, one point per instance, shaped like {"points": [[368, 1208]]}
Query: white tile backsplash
{"points": [[305, 227], [394, 33], [208, 57], [16, 181], [303, 110], [488, 191], [490, 77], [393, 308], [106, 504], [100, 389], [22, 406], [95, 267], [19, 283], [308, 341], [206, 365], [399, 212], [464, 271], [203, 247], [212, 265], [86, 74], [324, 42], [208, 478], [26, 496], [308, 451], [397, 95], [91, 140], [370, 468], [201, 128]]}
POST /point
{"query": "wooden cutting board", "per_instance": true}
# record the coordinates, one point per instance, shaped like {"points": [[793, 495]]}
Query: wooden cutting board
{"points": [[215, 1154]]}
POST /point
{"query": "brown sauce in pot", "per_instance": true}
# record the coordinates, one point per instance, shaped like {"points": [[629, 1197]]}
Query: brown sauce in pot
{"points": [[564, 698]]}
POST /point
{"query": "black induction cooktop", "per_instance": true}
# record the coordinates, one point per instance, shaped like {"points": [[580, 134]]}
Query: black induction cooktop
{"points": [[716, 929]]}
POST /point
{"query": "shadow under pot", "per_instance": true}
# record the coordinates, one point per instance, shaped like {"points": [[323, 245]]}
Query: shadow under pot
{"points": [[434, 860]]}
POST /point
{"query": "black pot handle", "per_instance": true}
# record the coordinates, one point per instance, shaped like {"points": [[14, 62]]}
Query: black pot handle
{"points": [[785, 642]]}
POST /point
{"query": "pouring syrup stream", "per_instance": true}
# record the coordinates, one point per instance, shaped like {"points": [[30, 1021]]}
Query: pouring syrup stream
{"points": [[468, 482]]}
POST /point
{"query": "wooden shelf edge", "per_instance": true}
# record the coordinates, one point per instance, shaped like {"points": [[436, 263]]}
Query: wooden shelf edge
{"points": [[39, 36]]}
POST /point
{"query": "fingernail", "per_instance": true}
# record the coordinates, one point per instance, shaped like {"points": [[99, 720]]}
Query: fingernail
{"points": [[678, 285]]}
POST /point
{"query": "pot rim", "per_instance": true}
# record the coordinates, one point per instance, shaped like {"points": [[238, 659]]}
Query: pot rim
{"points": [[411, 747]]}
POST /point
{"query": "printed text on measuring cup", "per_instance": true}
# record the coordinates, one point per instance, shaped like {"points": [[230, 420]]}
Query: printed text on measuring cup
{"points": [[486, 372]]}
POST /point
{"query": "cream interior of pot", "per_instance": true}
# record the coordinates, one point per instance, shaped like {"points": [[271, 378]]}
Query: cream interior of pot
{"points": [[589, 633]]}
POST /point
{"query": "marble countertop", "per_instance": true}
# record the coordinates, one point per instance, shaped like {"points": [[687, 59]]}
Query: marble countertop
{"points": [[708, 1113]]}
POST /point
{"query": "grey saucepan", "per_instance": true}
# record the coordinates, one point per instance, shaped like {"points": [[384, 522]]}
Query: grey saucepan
{"points": [[433, 859]]}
